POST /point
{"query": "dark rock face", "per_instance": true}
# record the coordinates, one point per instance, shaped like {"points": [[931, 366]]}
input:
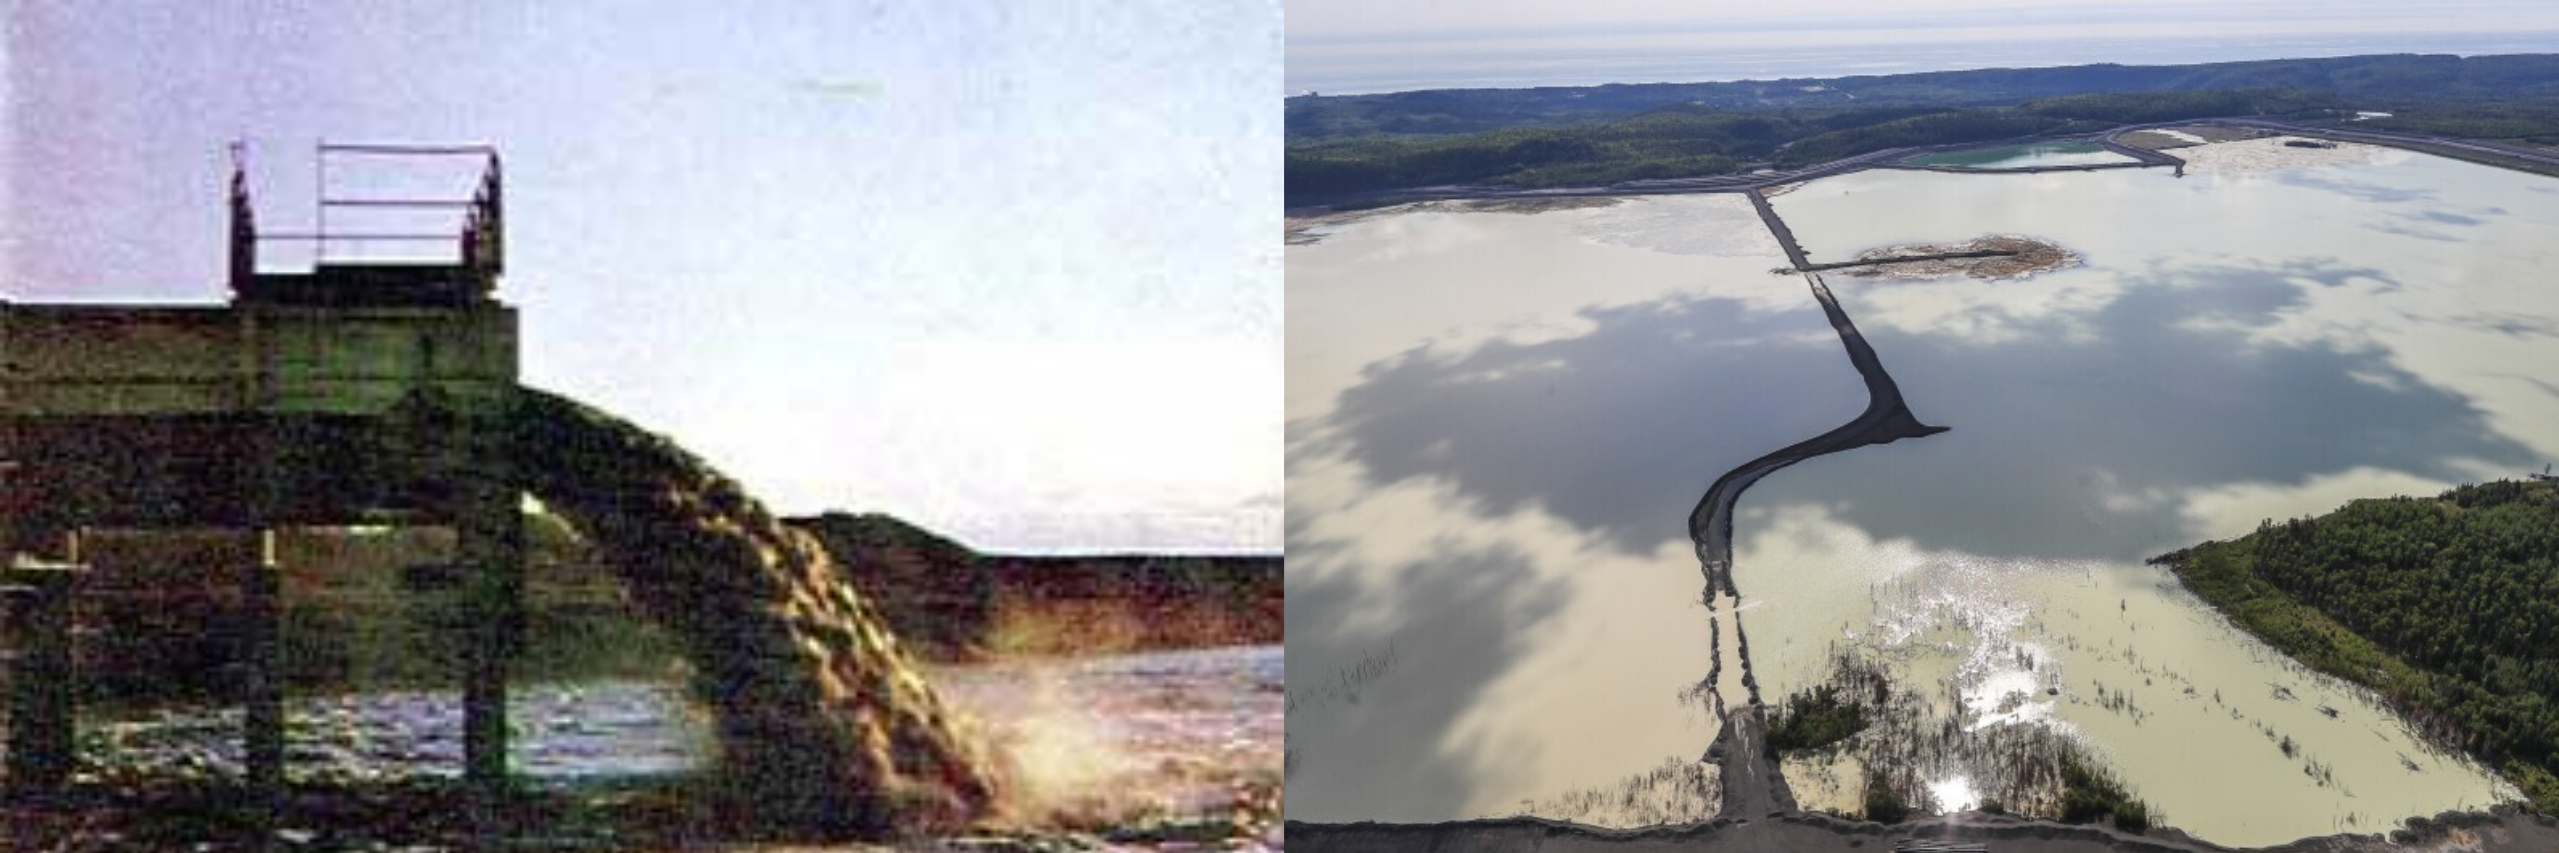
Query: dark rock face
{"points": [[824, 724]]}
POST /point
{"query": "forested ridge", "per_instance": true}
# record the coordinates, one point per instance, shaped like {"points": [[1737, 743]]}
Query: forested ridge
{"points": [[2386, 78], [1688, 141], [1597, 135], [2448, 606]]}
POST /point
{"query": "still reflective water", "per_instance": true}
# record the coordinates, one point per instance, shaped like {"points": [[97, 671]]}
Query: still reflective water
{"points": [[2246, 343], [2022, 156], [1498, 422]]}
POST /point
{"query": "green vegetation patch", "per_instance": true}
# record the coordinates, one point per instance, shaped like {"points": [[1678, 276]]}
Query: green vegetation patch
{"points": [[1883, 804], [2532, 121], [2088, 795], [1902, 738], [1815, 718], [2448, 606]]}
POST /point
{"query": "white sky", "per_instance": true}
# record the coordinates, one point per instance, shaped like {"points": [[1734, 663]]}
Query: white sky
{"points": [[1006, 269]]}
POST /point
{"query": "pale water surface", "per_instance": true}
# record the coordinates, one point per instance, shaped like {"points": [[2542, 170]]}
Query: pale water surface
{"points": [[1497, 426], [2025, 156], [1498, 423], [2242, 344]]}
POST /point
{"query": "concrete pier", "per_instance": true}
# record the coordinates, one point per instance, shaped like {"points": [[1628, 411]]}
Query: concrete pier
{"points": [[42, 679], [317, 396]]}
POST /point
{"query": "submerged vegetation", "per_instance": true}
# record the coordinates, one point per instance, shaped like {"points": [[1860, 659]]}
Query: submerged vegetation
{"points": [[1904, 738], [1674, 792], [1816, 718], [2447, 606], [1883, 805], [2089, 795]]}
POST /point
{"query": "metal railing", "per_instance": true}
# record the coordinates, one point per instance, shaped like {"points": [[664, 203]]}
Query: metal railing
{"points": [[479, 244]]}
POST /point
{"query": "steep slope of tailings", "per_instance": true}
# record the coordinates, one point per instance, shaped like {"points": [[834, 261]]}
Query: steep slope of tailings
{"points": [[824, 723]]}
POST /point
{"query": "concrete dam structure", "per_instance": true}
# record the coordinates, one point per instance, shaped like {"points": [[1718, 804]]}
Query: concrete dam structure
{"points": [[385, 392]]}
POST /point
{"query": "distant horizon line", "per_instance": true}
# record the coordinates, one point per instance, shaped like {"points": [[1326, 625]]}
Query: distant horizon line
{"points": [[1295, 92]]}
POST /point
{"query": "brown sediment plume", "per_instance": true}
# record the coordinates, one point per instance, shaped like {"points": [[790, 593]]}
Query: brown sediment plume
{"points": [[824, 724]]}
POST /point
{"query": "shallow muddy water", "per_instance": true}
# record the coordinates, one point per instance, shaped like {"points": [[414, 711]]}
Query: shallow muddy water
{"points": [[1497, 423], [2246, 344], [1162, 732]]}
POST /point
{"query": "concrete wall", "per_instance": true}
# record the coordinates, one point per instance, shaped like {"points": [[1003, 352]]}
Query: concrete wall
{"points": [[160, 415], [121, 360]]}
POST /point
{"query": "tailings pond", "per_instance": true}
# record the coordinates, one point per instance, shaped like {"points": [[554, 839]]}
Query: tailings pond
{"points": [[1498, 422], [2024, 156]]}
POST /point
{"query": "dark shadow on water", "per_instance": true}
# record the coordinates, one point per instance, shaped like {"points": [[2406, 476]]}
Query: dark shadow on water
{"points": [[1457, 624], [2362, 191], [1617, 431], [2444, 217], [2084, 446], [2413, 231], [2076, 437], [2507, 323]]}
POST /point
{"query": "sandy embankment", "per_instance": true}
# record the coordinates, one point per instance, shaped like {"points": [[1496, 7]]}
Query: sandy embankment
{"points": [[2270, 153], [2165, 138]]}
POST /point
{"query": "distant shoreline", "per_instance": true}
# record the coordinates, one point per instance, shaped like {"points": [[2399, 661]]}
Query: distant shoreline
{"points": [[2545, 163], [2527, 43]]}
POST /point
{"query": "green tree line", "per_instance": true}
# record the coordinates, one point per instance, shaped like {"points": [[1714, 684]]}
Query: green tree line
{"points": [[2400, 79], [1691, 141], [2448, 606]]}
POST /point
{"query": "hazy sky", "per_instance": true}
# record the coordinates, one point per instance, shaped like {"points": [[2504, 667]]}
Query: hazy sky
{"points": [[1346, 46], [1007, 269]]}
